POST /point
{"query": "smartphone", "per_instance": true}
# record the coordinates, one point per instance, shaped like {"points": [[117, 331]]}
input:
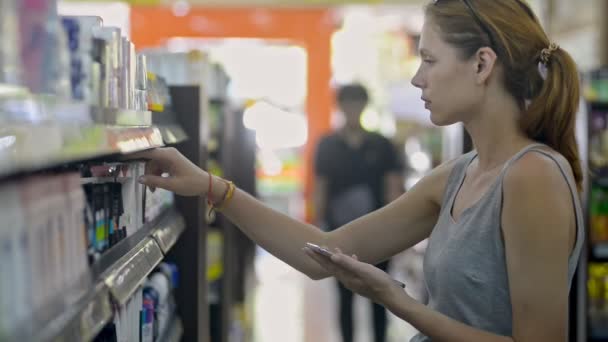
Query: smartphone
{"points": [[326, 252], [323, 251]]}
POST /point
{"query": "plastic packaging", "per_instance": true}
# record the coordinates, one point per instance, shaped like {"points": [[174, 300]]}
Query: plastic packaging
{"points": [[112, 56], [128, 72], [79, 30], [12, 260], [10, 44], [40, 44]]}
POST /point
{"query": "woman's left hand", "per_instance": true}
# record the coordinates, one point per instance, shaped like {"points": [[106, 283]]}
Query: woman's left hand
{"points": [[361, 278]]}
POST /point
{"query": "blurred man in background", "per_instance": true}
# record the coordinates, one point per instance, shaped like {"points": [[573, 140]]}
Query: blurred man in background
{"points": [[356, 173]]}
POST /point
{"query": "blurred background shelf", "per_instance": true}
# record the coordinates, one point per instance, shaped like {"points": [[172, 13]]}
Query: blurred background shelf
{"points": [[600, 252]]}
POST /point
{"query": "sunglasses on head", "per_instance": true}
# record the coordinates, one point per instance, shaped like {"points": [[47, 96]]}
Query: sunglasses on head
{"points": [[477, 18], [481, 23]]}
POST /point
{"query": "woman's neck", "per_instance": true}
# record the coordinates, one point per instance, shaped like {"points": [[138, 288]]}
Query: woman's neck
{"points": [[496, 133]]}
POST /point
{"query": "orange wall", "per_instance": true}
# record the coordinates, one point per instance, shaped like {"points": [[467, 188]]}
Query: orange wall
{"points": [[310, 28]]}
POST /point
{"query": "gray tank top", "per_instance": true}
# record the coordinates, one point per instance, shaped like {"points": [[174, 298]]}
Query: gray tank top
{"points": [[465, 265]]}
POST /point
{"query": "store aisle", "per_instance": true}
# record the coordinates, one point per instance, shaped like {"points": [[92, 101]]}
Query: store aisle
{"points": [[291, 307]]}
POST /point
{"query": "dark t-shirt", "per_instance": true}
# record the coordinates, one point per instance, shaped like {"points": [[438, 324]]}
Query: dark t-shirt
{"points": [[355, 175]]}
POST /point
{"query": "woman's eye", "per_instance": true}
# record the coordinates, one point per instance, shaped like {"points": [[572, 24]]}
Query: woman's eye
{"points": [[428, 61]]}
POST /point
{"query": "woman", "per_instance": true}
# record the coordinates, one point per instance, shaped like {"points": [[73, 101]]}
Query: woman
{"points": [[504, 221]]}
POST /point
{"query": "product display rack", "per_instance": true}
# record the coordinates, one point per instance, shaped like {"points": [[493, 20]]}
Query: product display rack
{"points": [[43, 138], [39, 134], [588, 319], [115, 277]]}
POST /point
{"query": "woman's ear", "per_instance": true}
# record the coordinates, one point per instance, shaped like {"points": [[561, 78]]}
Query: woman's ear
{"points": [[485, 62]]}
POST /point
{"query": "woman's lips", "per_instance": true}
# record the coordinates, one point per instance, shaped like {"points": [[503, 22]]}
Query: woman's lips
{"points": [[427, 103]]}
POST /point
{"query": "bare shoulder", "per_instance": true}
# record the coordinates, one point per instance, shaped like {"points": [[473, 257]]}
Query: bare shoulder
{"points": [[538, 172], [537, 196]]}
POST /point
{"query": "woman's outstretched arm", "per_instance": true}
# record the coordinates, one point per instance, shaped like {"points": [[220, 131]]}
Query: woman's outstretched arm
{"points": [[374, 237]]}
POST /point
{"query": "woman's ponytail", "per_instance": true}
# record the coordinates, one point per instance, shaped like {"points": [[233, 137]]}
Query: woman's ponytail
{"points": [[550, 117]]}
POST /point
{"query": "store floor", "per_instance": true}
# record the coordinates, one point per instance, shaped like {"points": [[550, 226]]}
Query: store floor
{"points": [[289, 307]]}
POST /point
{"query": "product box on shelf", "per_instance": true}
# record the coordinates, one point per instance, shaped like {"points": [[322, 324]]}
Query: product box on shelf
{"points": [[149, 314], [42, 248], [79, 30], [14, 304], [10, 44], [112, 51], [41, 48], [115, 202]]}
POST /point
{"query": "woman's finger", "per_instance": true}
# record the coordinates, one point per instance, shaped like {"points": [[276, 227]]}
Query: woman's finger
{"points": [[324, 261], [348, 263], [153, 182]]}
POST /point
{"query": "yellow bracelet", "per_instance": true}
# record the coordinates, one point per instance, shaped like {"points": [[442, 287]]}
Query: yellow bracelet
{"points": [[227, 197]]}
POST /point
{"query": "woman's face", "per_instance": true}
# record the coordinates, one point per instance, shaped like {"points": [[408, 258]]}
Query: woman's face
{"points": [[448, 82]]}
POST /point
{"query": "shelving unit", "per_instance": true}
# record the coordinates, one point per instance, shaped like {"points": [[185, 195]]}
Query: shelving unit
{"points": [[69, 132], [80, 261], [585, 317], [114, 279], [55, 134]]}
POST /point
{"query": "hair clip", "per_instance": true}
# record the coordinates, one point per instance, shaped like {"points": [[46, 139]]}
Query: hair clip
{"points": [[546, 53]]}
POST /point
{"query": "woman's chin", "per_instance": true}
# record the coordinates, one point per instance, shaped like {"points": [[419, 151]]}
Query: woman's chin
{"points": [[439, 120]]}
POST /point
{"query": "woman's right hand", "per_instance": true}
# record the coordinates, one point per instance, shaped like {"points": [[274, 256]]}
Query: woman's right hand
{"points": [[184, 178]]}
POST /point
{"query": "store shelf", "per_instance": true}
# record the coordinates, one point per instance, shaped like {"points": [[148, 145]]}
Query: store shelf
{"points": [[41, 109], [167, 122], [38, 132], [172, 134], [168, 230], [80, 321], [121, 117], [125, 267], [600, 252], [83, 321], [601, 181], [26, 147], [598, 105], [116, 275], [130, 271]]}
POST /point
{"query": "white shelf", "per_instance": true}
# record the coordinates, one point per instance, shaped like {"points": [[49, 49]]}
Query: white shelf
{"points": [[39, 132], [27, 147]]}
